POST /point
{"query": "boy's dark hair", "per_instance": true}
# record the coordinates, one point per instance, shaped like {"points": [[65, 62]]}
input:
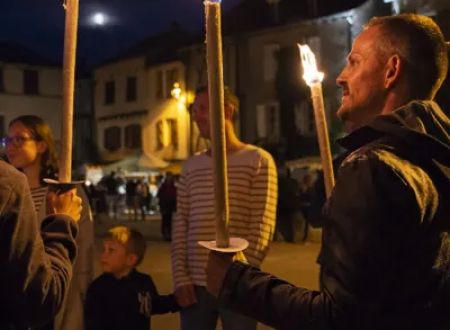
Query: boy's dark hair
{"points": [[131, 239], [419, 42]]}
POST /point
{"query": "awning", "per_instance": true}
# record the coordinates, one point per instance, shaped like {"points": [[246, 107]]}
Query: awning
{"points": [[141, 162]]}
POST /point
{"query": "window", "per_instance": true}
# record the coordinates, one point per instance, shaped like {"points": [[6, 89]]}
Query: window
{"points": [[2, 83], [270, 61], [112, 138], [110, 91], [173, 130], [131, 89], [304, 118], [268, 120], [159, 135], [30, 82], [133, 136], [159, 84], [314, 44], [172, 76], [2, 126]]}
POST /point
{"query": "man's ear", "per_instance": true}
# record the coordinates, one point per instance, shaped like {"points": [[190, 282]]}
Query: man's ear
{"points": [[394, 68]]}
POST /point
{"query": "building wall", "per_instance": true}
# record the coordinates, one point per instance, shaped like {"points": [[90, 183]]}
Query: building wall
{"points": [[118, 73], [84, 144], [153, 104], [329, 40], [47, 103]]}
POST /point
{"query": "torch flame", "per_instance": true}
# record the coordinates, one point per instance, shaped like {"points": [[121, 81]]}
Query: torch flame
{"points": [[310, 73]]}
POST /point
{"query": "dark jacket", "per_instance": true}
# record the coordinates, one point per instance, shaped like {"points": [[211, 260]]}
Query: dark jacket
{"points": [[35, 267], [125, 303], [385, 258]]}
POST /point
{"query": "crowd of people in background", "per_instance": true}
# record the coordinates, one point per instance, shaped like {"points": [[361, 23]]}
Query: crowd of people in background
{"points": [[134, 198]]}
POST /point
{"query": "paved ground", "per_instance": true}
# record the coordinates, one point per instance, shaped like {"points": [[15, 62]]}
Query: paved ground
{"points": [[295, 263]]}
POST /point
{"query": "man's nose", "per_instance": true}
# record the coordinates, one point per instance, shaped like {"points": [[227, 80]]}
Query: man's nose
{"points": [[341, 78]]}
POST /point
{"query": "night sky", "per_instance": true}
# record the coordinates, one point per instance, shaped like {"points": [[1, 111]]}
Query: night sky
{"points": [[39, 24]]}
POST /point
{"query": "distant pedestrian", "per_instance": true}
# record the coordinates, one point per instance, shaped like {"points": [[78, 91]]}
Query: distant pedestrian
{"points": [[144, 197], [111, 184], [123, 298], [167, 198], [132, 198]]}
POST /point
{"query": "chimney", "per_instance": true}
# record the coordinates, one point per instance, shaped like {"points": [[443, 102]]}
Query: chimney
{"points": [[273, 4]]}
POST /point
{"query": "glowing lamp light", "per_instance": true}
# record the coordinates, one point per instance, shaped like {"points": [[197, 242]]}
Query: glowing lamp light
{"points": [[310, 73], [176, 91]]}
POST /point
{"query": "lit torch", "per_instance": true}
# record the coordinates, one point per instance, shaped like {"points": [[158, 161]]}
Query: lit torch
{"points": [[313, 79], [218, 143]]}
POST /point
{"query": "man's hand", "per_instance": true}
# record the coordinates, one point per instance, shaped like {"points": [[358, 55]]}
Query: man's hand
{"points": [[216, 269], [68, 203], [185, 295]]}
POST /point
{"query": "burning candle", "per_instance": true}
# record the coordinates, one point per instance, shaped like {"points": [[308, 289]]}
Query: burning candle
{"points": [[313, 79], [217, 118], [70, 46]]}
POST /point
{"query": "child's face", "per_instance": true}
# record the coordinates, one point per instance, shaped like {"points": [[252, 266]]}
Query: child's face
{"points": [[115, 259]]}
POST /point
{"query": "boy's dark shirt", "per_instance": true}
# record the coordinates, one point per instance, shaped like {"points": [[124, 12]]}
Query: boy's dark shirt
{"points": [[125, 303]]}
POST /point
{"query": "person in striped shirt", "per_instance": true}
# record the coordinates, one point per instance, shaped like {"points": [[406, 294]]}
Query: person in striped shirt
{"points": [[252, 186]]}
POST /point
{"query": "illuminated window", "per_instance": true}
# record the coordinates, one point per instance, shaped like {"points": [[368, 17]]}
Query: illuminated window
{"points": [[110, 92], [133, 136], [112, 138], [131, 89], [268, 120], [159, 135], [173, 130], [30, 82]]}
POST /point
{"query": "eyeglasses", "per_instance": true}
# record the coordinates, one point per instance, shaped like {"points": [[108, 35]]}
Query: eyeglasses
{"points": [[16, 141]]}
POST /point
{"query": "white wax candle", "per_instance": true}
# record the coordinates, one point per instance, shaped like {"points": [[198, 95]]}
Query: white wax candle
{"points": [[216, 110], [70, 47]]}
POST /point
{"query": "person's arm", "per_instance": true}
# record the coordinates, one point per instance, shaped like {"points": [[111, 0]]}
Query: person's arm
{"points": [[263, 204], [369, 236], [35, 268], [184, 289], [162, 304]]}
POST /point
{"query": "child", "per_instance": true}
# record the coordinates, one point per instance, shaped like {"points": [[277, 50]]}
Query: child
{"points": [[122, 297]]}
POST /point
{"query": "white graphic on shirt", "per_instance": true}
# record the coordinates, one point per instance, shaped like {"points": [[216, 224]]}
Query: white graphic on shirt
{"points": [[145, 303]]}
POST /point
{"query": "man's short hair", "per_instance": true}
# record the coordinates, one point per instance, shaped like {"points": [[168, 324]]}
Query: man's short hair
{"points": [[229, 98], [131, 239], [419, 42]]}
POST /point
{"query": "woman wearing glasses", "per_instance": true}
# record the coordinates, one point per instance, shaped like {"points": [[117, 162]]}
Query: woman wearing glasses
{"points": [[30, 147]]}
